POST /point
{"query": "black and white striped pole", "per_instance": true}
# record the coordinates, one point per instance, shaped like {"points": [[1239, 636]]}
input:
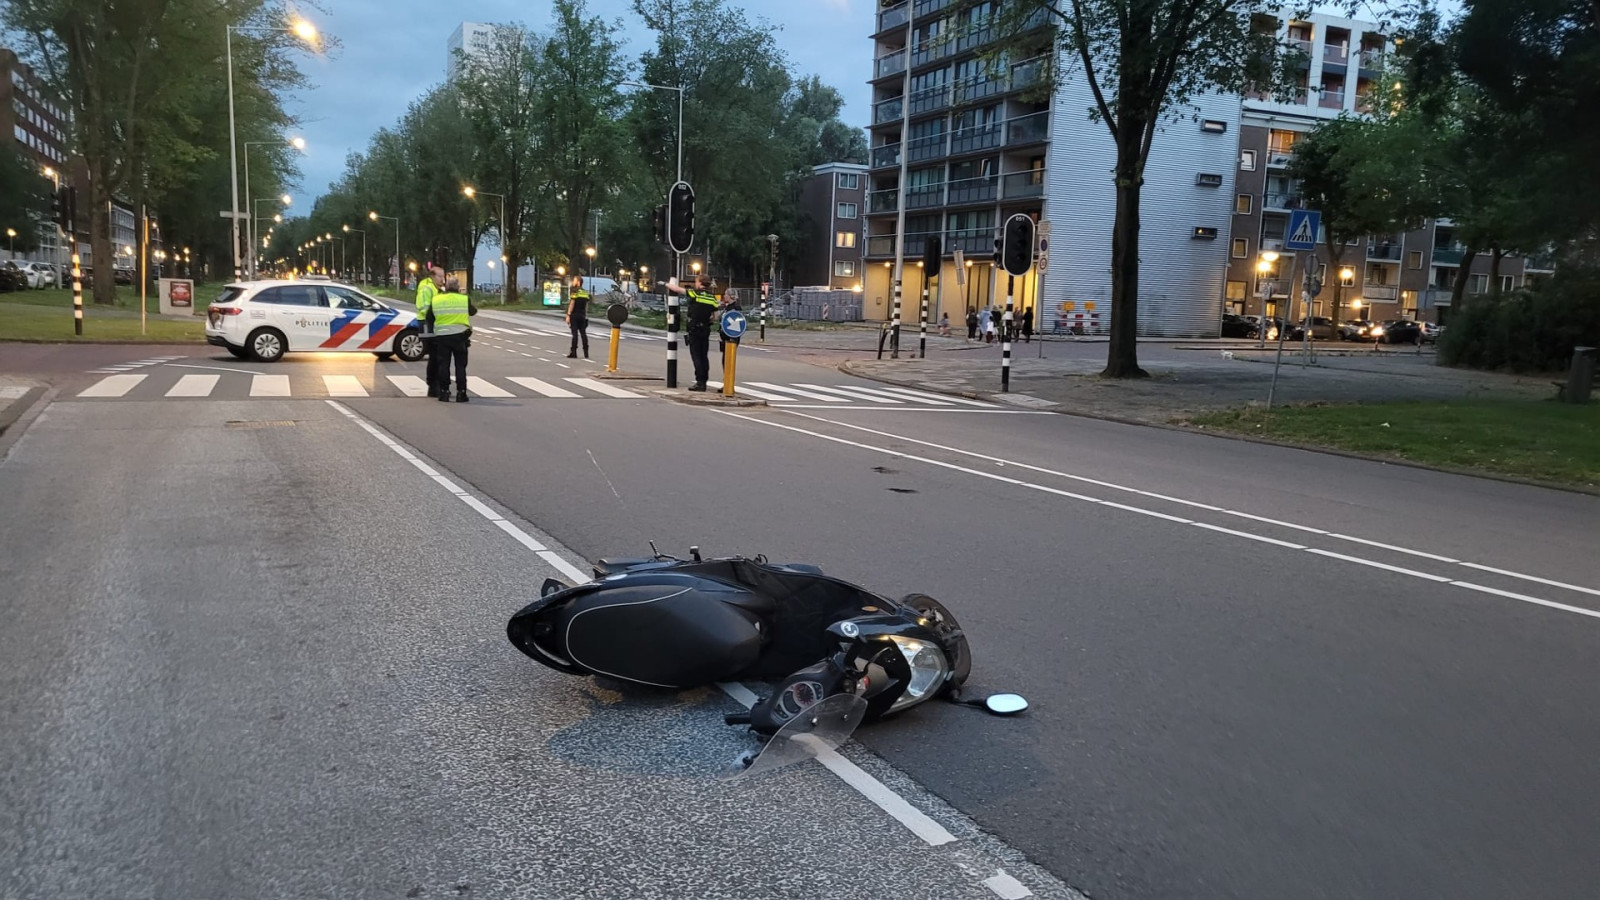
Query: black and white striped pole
{"points": [[679, 237], [894, 329], [77, 295], [932, 253], [1016, 256], [772, 285], [672, 340]]}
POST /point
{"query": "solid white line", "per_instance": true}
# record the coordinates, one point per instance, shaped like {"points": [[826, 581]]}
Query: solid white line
{"points": [[426, 469], [113, 386], [195, 386], [571, 571], [448, 484], [1390, 547], [542, 387], [344, 386], [1378, 565], [1007, 888], [1559, 584], [481, 507], [520, 536], [787, 389], [485, 389], [927, 409], [1277, 522], [410, 385], [601, 387], [741, 390], [1245, 534], [1526, 599], [1146, 512], [269, 386]]}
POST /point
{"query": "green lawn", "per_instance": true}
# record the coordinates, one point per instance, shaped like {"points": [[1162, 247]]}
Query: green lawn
{"points": [[1544, 441], [42, 322]]}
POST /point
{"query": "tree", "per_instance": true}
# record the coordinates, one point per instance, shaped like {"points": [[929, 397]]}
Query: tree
{"points": [[23, 198], [1144, 60]]}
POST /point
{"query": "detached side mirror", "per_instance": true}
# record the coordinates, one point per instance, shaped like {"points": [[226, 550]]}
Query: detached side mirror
{"points": [[1005, 704]]}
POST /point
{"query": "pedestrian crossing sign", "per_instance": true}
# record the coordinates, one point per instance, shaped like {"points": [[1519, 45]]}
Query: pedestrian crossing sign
{"points": [[1304, 224]]}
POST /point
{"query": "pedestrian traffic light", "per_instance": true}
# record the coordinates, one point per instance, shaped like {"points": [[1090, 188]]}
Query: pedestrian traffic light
{"points": [[1016, 252], [658, 223], [932, 253], [680, 217], [55, 206], [69, 209]]}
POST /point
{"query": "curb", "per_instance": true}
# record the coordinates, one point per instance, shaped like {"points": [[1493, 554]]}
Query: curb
{"points": [[707, 399], [628, 376], [17, 408]]}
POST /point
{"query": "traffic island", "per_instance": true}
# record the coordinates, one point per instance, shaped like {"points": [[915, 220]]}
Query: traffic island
{"points": [[628, 376], [709, 398]]}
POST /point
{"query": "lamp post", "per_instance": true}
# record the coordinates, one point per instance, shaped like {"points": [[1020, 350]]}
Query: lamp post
{"points": [[299, 28], [679, 89], [255, 219], [342, 261], [375, 217], [298, 143], [1264, 287], [11, 237], [347, 230], [589, 252], [472, 193]]}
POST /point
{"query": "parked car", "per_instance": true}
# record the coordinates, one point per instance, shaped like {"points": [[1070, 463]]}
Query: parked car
{"points": [[1321, 329], [1273, 325], [124, 276], [1399, 331], [40, 275], [1431, 332], [1238, 327], [12, 277], [1357, 330]]}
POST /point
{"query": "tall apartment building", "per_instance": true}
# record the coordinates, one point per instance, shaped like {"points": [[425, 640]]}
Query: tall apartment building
{"points": [[833, 203], [983, 142], [470, 38], [38, 127]]}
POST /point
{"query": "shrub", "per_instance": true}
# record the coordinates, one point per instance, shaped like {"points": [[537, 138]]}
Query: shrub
{"points": [[1530, 330]]}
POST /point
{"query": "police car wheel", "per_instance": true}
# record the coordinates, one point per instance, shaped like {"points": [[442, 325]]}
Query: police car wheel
{"points": [[409, 346], [267, 344]]}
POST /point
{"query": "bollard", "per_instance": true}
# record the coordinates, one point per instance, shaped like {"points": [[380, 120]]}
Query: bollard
{"points": [[616, 341], [1580, 377], [730, 364], [77, 295]]}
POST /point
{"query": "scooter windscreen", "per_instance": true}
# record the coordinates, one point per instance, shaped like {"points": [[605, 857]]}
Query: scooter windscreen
{"points": [[821, 727]]}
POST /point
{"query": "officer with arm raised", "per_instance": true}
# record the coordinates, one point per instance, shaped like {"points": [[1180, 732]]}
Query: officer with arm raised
{"points": [[697, 332]]}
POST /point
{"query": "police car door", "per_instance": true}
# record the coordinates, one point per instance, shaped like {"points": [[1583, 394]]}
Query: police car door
{"points": [[359, 322], [294, 309]]}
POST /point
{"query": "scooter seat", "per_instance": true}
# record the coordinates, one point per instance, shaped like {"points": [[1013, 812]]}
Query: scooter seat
{"points": [[664, 634]]}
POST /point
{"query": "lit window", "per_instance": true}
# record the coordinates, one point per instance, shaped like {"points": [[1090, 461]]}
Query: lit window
{"points": [[1241, 248], [847, 210], [844, 268], [846, 239], [1247, 160], [1243, 204], [1414, 259]]}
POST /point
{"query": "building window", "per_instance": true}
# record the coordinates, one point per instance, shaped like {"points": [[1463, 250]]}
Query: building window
{"points": [[844, 268], [1247, 160], [1236, 290], [847, 210], [1414, 259], [849, 181], [1478, 284], [845, 239], [1241, 248], [1243, 204]]}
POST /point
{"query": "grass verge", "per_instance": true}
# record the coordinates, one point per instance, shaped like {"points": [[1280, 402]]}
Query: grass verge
{"points": [[1537, 440], [38, 322]]}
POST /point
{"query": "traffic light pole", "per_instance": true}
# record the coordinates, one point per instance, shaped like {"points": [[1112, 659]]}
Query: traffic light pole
{"points": [[922, 341], [672, 325], [1005, 337], [894, 330]]}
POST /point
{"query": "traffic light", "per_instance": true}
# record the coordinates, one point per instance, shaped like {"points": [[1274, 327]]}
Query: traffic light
{"points": [[55, 206], [69, 210], [932, 253], [680, 217], [658, 223], [1016, 252]]}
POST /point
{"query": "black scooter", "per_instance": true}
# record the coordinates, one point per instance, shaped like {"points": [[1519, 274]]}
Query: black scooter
{"points": [[672, 623]]}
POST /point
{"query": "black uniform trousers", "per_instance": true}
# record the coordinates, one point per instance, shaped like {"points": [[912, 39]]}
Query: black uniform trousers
{"points": [[438, 376], [580, 331], [450, 348], [698, 337]]}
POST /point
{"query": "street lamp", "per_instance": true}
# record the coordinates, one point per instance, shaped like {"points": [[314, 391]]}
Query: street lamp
{"points": [[589, 252], [298, 143], [347, 230], [375, 217], [1264, 287], [472, 194], [679, 89], [299, 28], [11, 236], [343, 262], [255, 217]]}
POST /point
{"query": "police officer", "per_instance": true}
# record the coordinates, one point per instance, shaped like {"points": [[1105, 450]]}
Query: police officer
{"points": [[427, 288], [697, 332], [578, 318], [452, 327]]}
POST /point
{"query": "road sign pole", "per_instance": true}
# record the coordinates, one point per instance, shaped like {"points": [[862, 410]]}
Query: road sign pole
{"points": [[1278, 363]]}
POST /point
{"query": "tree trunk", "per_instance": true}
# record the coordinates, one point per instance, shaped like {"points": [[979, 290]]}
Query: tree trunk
{"points": [[100, 248], [1335, 263], [1122, 360], [1458, 290], [1494, 272]]}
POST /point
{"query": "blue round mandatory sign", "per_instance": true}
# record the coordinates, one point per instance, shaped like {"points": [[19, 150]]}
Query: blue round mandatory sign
{"points": [[734, 323]]}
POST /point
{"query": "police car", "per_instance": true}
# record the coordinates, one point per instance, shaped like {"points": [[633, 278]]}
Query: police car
{"points": [[263, 320]]}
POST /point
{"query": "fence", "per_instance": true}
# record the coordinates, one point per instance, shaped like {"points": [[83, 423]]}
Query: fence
{"points": [[820, 306]]}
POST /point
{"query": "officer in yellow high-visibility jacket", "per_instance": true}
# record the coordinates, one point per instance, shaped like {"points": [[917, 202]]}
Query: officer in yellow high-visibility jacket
{"points": [[452, 327], [427, 288], [697, 330]]}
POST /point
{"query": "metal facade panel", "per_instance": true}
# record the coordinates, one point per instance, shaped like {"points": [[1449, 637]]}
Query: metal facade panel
{"points": [[1181, 279]]}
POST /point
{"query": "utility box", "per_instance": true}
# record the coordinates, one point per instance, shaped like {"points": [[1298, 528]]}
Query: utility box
{"points": [[1580, 378]]}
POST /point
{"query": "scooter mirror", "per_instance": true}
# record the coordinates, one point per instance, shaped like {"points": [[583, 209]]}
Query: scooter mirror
{"points": [[1005, 704]]}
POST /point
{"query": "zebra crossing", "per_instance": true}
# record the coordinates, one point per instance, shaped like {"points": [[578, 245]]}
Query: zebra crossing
{"points": [[503, 331], [137, 364], [242, 386]]}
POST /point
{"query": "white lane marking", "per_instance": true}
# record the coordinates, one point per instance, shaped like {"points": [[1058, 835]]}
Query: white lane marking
{"points": [[896, 806], [1247, 535], [924, 395], [344, 386], [212, 368], [195, 386], [741, 390], [601, 387], [854, 393], [485, 389], [269, 386], [929, 409], [542, 359], [790, 389], [1559, 584], [526, 331], [482, 508], [563, 365], [1005, 887], [918, 822], [542, 387], [410, 385], [914, 398], [528, 355], [1392, 548], [113, 386], [1003, 479]]}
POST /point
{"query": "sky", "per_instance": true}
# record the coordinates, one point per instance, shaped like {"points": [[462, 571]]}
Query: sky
{"points": [[394, 50]]}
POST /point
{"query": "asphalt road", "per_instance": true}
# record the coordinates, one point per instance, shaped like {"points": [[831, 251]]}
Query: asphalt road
{"points": [[1256, 672]]}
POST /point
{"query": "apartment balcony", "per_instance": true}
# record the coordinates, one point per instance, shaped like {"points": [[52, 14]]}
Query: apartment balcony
{"points": [[895, 17], [1449, 256], [1332, 98], [890, 64], [1337, 54], [926, 8], [1029, 129], [886, 156], [1022, 185], [926, 148], [1385, 251], [973, 38], [1300, 45], [974, 190], [1539, 262], [930, 100], [975, 140], [931, 50], [1380, 292], [1372, 59], [974, 89], [1027, 74], [928, 195], [885, 201], [1280, 200], [970, 241], [888, 111], [1279, 157], [916, 241], [880, 246]]}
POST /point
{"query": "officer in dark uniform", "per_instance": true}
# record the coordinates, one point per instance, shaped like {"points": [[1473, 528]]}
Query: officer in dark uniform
{"points": [[578, 318], [697, 331]]}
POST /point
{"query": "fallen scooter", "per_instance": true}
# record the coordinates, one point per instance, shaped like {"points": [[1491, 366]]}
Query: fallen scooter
{"points": [[667, 622]]}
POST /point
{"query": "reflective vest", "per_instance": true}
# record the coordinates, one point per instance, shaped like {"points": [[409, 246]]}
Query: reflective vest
{"points": [[701, 306], [580, 303], [451, 313], [425, 295]]}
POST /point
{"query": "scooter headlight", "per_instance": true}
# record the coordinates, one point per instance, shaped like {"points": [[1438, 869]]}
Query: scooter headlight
{"points": [[929, 669]]}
